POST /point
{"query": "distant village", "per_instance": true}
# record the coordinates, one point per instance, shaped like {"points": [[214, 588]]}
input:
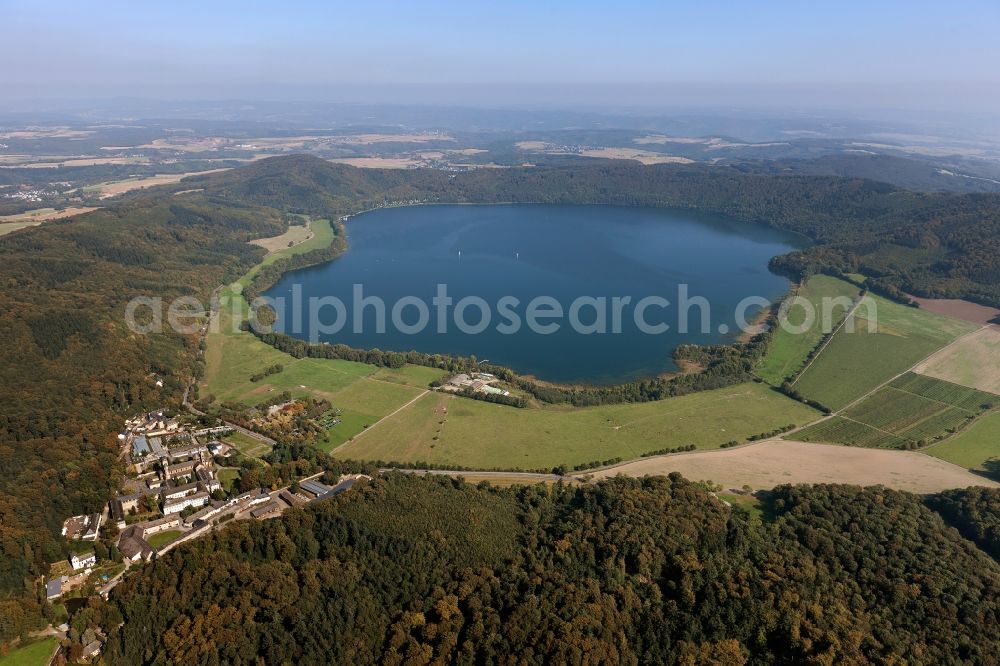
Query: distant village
{"points": [[171, 494]]}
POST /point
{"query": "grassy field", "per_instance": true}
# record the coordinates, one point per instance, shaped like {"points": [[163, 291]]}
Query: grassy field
{"points": [[747, 504], [912, 408], [447, 430], [973, 361], [161, 539], [227, 476], [885, 342], [248, 446], [362, 392], [973, 447], [788, 351], [36, 653]]}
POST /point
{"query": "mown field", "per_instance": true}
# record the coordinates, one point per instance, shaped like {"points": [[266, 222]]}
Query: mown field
{"points": [[161, 539], [789, 350], [447, 430], [35, 653], [974, 448], [973, 361], [912, 409], [886, 340]]}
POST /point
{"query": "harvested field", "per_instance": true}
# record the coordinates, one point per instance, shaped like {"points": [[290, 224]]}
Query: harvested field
{"points": [[380, 162], [643, 156], [296, 234], [9, 223], [774, 462], [120, 187], [974, 361], [965, 310]]}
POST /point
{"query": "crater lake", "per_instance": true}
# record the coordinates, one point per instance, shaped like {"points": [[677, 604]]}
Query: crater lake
{"points": [[560, 254]]}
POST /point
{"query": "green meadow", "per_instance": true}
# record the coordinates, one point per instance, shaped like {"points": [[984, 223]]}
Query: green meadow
{"points": [[447, 430], [973, 447], [788, 351], [34, 653], [886, 340]]}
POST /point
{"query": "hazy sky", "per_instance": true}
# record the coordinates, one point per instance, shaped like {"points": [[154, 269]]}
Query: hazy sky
{"points": [[846, 54]]}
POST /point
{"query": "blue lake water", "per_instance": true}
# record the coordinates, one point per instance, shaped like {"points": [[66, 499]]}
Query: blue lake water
{"points": [[524, 252]]}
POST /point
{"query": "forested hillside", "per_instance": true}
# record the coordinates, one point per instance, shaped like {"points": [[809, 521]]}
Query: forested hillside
{"points": [[70, 371], [931, 244], [420, 570]]}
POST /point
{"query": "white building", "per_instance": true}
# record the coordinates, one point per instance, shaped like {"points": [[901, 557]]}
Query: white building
{"points": [[181, 503], [82, 561]]}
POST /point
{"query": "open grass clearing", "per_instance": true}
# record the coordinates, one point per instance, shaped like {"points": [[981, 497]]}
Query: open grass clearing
{"points": [[747, 504], [32, 653], [161, 539], [788, 351], [227, 477], [247, 445], [447, 430]]}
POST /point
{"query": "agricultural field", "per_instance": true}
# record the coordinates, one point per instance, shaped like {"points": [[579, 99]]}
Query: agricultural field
{"points": [[912, 410], [775, 462], [886, 340], [976, 448], [973, 361], [448, 430], [788, 351]]}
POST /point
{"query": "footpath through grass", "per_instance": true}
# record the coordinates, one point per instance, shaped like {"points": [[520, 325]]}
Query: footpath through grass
{"points": [[788, 351]]}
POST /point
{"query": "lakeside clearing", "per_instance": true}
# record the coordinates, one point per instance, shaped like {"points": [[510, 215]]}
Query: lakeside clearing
{"points": [[788, 351]]}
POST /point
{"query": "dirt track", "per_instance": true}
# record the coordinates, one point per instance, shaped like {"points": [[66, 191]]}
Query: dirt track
{"points": [[775, 462]]}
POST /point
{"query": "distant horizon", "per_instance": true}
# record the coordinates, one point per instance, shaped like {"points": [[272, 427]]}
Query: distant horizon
{"points": [[915, 56]]}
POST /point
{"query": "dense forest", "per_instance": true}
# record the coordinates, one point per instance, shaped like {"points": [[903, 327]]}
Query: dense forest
{"points": [[71, 371], [432, 570]]}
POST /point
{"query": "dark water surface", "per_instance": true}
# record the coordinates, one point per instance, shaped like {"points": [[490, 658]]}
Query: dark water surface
{"points": [[527, 251]]}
